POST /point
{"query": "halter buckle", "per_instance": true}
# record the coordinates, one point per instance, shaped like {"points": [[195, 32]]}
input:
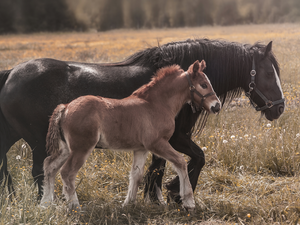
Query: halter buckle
{"points": [[269, 104], [192, 88], [252, 73]]}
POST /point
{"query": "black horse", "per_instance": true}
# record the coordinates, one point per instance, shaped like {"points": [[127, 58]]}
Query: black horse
{"points": [[31, 91]]}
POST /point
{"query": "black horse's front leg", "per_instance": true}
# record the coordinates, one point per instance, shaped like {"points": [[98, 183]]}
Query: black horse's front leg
{"points": [[39, 154], [153, 179], [195, 166]]}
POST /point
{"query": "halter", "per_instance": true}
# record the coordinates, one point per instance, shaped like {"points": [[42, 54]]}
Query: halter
{"points": [[252, 87], [194, 90]]}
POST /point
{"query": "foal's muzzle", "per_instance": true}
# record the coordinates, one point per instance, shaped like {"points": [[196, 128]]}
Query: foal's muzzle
{"points": [[216, 108]]}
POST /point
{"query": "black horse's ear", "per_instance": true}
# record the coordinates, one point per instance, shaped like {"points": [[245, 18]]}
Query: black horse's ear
{"points": [[268, 49]]}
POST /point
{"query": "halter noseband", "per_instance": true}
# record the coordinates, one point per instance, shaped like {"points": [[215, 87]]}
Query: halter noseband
{"points": [[252, 87], [194, 90]]}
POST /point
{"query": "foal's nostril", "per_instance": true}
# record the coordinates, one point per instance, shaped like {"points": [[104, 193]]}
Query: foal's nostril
{"points": [[216, 108], [280, 109]]}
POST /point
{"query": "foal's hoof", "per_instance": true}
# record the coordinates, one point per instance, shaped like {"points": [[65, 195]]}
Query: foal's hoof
{"points": [[74, 208], [189, 209], [45, 204], [128, 203], [188, 204]]}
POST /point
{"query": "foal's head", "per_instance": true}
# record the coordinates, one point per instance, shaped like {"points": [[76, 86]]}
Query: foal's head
{"points": [[202, 93]]}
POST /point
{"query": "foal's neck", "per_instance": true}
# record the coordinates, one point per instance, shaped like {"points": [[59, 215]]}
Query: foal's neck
{"points": [[172, 93]]}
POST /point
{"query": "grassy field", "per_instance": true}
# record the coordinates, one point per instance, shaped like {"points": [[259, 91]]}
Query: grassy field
{"points": [[252, 166]]}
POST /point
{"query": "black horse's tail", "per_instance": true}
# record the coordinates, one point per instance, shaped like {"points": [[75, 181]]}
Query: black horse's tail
{"points": [[3, 77], [4, 129], [54, 134]]}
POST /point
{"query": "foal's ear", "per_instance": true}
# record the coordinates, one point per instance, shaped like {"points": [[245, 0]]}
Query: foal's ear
{"points": [[202, 65], [196, 66], [268, 49]]}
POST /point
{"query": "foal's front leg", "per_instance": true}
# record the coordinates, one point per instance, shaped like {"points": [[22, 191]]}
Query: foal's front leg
{"points": [[136, 174], [163, 149]]}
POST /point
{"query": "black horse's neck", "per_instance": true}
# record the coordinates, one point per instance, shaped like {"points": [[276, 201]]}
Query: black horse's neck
{"points": [[228, 63]]}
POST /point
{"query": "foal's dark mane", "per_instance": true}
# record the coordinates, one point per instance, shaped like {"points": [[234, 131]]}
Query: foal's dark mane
{"points": [[161, 75], [232, 57]]}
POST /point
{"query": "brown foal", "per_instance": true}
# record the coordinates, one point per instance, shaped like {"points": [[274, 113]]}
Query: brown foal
{"points": [[142, 122]]}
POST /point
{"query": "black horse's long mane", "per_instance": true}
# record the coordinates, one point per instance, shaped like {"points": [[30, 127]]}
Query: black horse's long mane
{"points": [[227, 64]]}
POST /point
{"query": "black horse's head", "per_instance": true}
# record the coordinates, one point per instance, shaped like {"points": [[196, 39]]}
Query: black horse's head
{"points": [[264, 89]]}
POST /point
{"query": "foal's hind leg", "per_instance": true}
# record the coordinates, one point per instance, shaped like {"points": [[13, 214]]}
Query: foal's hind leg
{"points": [[68, 173], [136, 174], [51, 166]]}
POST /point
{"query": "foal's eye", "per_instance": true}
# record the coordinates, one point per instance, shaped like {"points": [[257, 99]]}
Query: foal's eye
{"points": [[204, 86]]}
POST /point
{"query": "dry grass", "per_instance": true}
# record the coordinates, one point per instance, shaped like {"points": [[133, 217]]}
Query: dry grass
{"points": [[252, 170]]}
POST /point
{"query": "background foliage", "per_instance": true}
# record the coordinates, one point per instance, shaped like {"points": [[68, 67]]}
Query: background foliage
{"points": [[61, 15]]}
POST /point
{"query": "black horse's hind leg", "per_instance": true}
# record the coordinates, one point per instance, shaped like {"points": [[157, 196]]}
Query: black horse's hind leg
{"points": [[153, 178], [39, 155], [7, 140], [5, 177]]}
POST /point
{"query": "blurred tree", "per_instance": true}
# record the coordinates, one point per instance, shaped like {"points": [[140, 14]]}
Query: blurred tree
{"points": [[156, 13], [111, 15], [7, 12], [175, 11], [198, 12], [227, 12], [87, 12], [47, 15], [57, 15], [133, 14]]}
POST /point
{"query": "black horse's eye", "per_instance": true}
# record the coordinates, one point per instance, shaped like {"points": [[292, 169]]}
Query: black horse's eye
{"points": [[204, 86]]}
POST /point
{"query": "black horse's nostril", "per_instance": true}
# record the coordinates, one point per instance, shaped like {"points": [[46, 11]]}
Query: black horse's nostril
{"points": [[216, 108], [280, 109]]}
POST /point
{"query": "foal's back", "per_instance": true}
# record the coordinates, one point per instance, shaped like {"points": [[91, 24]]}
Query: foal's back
{"points": [[111, 123]]}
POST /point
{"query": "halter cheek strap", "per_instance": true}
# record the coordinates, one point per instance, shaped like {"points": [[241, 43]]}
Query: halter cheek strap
{"points": [[252, 87], [194, 90]]}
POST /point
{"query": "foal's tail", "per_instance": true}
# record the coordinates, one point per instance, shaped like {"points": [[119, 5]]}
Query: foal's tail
{"points": [[54, 131]]}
